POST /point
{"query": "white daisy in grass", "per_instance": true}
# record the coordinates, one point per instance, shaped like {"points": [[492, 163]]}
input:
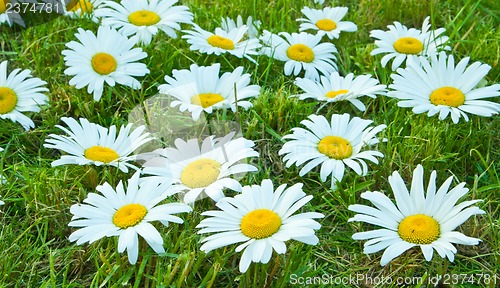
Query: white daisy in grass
{"points": [[222, 41], [4, 17], [319, 1], [82, 9], [402, 43], [19, 93], [427, 221], [439, 86], [337, 88], [262, 218], [207, 170], [89, 143], [229, 24], [327, 21], [334, 145], [106, 57], [126, 213], [13, 15], [300, 52], [201, 89], [142, 19]]}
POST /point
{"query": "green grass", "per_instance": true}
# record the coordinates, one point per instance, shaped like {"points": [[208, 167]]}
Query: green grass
{"points": [[34, 246]]}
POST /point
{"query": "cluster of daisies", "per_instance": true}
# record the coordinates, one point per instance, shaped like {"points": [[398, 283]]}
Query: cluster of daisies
{"points": [[260, 217]]}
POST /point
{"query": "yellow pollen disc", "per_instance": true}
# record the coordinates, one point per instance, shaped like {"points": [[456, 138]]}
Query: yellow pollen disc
{"points": [[335, 147], [300, 52], [200, 173], [84, 5], [333, 94], [101, 154], [260, 223], [419, 229], [448, 96], [103, 63], [326, 24], [129, 215], [8, 100], [220, 42], [206, 99], [3, 7], [408, 45], [143, 18]]}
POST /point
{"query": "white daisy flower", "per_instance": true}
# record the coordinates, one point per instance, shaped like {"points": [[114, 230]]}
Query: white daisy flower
{"points": [[402, 43], [326, 21], [333, 145], [261, 217], [319, 1], [20, 92], [439, 86], [125, 213], [206, 170], [420, 220], [337, 88], [201, 89], [81, 9], [301, 52], [143, 18], [89, 143], [222, 41], [13, 16], [108, 57], [229, 24], [4, 17]]}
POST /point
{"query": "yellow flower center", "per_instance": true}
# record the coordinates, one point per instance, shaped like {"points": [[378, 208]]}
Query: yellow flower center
{"points": [[143, 18], [300, 52], [448, 96], [408, 45], [103, 63], [3, 7], [8, 100], [200, 173], [419, 229], [326, 24], [206, 99], [129, 215], [335, 147], [260, 223], [333, 94], [220, 42], [84, 5], [101, 154]]}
